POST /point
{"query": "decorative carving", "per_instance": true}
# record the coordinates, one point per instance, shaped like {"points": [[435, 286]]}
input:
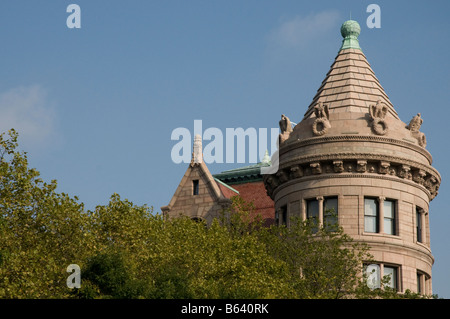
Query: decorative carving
{"points": [[296, 171], [338, 166], [432, 185], [272, 181], [285, 127], [315, 168], [414, 126], [285, 124], [392, 171], [197, 155], [377, 114], [349, 168], [361, 166], [405, 171], [283, 176], [322, 123], [419, 176], [384, 167]]}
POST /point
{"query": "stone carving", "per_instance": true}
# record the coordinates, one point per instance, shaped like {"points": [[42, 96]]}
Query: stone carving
{"points": [[378, 113], [197, 154], [384, 167], [321, 123], [350, 167], [414, 126], [361, 166], [338, 166], [392, 171], [405, 172], [419, 176], [285, 124], [432, 185], [285, 127], [271, 183], [296, 171], [315, 168], [282, 176]]}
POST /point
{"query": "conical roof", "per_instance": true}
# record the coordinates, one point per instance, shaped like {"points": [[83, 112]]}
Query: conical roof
{"points": [[350, 85]]}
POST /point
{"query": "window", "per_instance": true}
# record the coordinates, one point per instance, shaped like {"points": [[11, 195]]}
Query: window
{"points": [[371, 215], [392, 273], [389, 217], [419, 224], [323, 210], [380, 216], [195, 186], [281, 216], [419, 283], [375, 273], [284, 215], [312, 213], [330, 212]]}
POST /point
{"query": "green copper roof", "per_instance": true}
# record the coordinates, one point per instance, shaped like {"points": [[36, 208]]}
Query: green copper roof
{"points": [[350, 31], [244, 174]]}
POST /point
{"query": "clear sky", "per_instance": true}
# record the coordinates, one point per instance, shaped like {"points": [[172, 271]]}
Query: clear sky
{"points": [[95, 107]]}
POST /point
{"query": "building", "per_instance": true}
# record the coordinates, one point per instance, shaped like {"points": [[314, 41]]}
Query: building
{"points": [[203, 196], [350, 154]]}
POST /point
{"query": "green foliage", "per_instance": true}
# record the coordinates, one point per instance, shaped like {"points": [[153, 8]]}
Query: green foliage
{"points": [[128, 251]]}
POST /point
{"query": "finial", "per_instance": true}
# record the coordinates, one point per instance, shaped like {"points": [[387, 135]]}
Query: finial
{"points": [[266, 158], [197, 154], [350, 31]]}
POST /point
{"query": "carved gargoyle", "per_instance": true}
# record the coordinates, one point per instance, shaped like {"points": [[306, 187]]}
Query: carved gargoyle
{"points": [[285, 127], [414, 126], [285, 124]]}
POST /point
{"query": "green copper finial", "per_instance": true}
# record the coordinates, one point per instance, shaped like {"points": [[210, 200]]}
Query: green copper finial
{"points": [[350, 31]]}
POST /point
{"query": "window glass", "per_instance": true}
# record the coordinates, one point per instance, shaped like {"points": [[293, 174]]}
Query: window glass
{"points": [[195, 185], [419, 283], [312, 212], [312, 209], [370, 215], [330, 212], [389, 217], [392, 273], [418, 225]]}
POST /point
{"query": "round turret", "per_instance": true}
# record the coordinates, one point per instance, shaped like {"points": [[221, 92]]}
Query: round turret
{"points": [[352, 154]]}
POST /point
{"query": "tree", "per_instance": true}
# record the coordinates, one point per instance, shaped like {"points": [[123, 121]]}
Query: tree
{"points": [[41, 231], [128, 251]]}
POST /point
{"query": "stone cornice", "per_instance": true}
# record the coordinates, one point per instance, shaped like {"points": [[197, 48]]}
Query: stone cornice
{"points": [[359, 156], [290, 145], [380, 243], [354, 165], [351, 175]]}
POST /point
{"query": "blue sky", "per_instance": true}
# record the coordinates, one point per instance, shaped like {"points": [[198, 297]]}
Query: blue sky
{"points": [[95, 107]]}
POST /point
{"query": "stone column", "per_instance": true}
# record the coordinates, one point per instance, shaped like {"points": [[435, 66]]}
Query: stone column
{"points": [[381, 214], [421, 238], [320, 204]]}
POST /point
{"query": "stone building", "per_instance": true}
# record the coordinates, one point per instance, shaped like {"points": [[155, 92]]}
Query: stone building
{"points": [[202, 196], [199, 195], [351, 155]]}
